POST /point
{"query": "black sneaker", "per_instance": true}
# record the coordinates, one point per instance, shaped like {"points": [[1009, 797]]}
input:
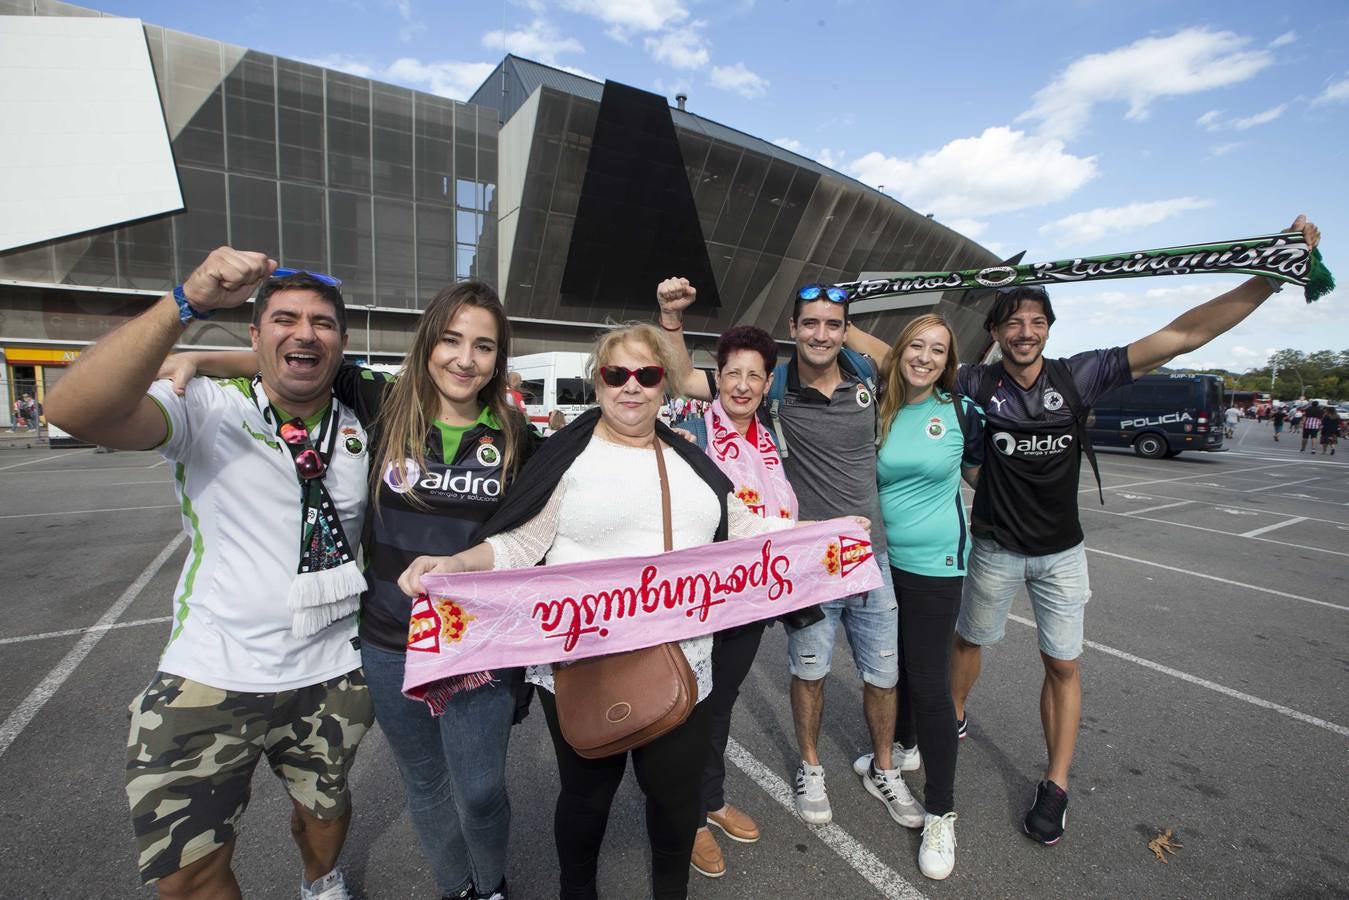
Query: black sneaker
{"points": [[962, 729], [498, 894], [1047, 817]]}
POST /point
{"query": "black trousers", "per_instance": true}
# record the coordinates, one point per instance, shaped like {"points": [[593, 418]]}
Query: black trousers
{"points": [[732, 657], [928, 608], [668, 771]]}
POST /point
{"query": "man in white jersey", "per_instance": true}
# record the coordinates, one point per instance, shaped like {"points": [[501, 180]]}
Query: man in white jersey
{"points": [[263, 656]]}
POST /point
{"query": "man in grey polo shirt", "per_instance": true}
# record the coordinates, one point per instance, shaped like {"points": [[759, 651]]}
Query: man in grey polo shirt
{"points": [[826, 431]]}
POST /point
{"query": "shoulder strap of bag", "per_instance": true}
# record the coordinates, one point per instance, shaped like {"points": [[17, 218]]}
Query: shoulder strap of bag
{"points": [[664, 496], [777, 392], [962, 414], [1062, 378]]}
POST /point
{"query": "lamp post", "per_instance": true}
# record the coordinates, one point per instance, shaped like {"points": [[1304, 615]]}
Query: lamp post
{"points": [[369, 308]]}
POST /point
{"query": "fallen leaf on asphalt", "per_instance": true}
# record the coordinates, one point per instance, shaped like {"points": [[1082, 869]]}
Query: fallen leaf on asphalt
{"points": [[1163, 844]]}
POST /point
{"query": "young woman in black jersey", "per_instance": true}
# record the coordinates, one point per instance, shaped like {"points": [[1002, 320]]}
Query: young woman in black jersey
{"points": [[445, 443]]}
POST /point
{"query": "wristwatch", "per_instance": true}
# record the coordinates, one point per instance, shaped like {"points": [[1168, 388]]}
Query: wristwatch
{"points": [[186, 311]]}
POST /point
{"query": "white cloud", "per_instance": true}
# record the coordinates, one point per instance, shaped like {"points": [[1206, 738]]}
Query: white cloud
{"points": [[793, 145], [831, 159], [449, 78], [1094, 224], [1338, 92], [682, 48], [1213, 121], [1284, 39], [999, 171], [971, 228], [1224, 149], [1187, 62], [360, 66], [739, 79], [539, 40], [624, 16], [1210, 120]]}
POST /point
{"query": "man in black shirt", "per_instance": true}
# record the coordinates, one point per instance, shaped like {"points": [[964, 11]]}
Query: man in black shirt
{"points": [[1025, 517]]}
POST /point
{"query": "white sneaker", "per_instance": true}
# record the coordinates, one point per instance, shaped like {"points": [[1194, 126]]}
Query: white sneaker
{"points": [[812, 803], [890, 789], [937, 856], [330, 887], [903, 759]]}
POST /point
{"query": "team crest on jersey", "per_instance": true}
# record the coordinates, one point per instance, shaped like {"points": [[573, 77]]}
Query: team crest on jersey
{"points": [[1053, 400], [863, 397], [488, 454], [935, 428], [352, 442]]}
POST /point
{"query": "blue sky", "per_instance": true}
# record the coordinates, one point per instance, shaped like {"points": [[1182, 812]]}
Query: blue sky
{"points": [[1059, 128]]}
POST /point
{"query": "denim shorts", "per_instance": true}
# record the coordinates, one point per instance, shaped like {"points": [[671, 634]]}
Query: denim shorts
{"points": [[871, 622], [1058, 588]]}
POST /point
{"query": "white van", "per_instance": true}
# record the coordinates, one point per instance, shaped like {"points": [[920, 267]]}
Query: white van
{"points": [[555, 380]]}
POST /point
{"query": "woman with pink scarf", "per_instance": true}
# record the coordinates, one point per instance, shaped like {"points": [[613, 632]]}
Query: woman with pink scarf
{"points": [[744, 450]]}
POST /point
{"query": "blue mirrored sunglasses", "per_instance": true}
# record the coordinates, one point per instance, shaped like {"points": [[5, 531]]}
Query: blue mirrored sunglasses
{"points": [[320, 276], [826, 291]]}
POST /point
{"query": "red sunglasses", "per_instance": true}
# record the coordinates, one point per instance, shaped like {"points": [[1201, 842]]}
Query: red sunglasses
{"points": [[308, 462], [617, 376]]}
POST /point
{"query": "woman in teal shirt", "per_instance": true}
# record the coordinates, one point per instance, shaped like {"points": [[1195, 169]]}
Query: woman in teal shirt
{"points": [[933, 439]]}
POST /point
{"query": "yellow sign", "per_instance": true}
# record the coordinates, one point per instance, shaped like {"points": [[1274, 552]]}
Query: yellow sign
{"points": [[39, 356]]}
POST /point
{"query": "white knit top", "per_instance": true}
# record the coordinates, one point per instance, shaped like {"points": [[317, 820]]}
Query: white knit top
{"points": [[607, 505]]}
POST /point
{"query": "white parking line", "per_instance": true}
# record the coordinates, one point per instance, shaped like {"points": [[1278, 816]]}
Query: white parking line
{"points": [[51, 683], [1217, 474], [1248, 587], [25, 638], [1152, 495], [80, 512], [41, 459], [1148, 509], [1279, 484], [1205, 683], [1235, 534], [1255, 532], [884, 879]]}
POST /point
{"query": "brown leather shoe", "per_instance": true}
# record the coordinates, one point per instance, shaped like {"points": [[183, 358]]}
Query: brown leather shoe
{"points": [[737, 824], [707, 859]]}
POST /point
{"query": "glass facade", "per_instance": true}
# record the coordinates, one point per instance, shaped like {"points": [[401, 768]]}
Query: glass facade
{"points": [[396, 192], [385, 187]]}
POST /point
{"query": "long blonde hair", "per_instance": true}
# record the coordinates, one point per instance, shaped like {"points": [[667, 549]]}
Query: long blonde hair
{"points": [[413, 401], [894, 398]]}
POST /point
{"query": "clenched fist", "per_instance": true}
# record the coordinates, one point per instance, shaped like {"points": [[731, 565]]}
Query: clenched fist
{"points": [[227, 278]]}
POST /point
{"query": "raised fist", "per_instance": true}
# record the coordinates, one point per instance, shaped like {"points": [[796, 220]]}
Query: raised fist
{"points": [[674, 296], [226, 278]]}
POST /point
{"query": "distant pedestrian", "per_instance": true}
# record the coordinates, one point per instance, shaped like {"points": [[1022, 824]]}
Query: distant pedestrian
{"points": [[1311, 427], [1232, 416], [1330, 430], [1278, 416]]}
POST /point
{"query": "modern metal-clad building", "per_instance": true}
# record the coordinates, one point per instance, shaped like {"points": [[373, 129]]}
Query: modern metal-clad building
{"points": [[573, 197]]}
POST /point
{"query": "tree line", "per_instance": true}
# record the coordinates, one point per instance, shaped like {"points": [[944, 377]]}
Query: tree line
{"points": [[1323, 373]]}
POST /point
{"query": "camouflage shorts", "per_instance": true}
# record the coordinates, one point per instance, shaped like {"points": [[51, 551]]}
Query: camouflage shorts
{"points": [[193, 748]]}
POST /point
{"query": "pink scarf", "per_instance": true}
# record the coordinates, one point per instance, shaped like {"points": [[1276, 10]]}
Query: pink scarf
{"points": [[751, 462], [475, 622]]}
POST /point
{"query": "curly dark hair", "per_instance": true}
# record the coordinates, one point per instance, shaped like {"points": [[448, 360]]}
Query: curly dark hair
{"points": [[747, 337]]}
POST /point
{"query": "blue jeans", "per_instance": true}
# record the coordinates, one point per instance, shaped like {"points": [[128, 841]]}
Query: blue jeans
{"points": [[1056, 582], [453, 768], [871, 622]]}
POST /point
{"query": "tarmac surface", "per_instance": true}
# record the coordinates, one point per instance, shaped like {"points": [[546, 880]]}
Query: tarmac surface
{"points": [[1215, 704]]}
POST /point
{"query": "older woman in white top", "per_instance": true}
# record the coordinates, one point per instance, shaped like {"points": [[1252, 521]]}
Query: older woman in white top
{"points": [[593, 492]]}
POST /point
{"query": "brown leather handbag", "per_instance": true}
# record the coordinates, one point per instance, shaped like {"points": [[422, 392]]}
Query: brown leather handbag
{"points": [[611, 704]]}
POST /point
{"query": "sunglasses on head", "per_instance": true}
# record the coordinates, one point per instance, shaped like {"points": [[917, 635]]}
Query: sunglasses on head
{"points": [[617, 376], [308, 462], [324, 277], [823, 292], [1034, 291]]}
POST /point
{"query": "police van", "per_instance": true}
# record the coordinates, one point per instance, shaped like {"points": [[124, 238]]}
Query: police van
{"points": [[1161, 415], [554, 380]]}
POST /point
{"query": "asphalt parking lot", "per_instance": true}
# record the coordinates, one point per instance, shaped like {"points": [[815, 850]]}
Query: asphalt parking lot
{"points": [[1215, 704]]}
